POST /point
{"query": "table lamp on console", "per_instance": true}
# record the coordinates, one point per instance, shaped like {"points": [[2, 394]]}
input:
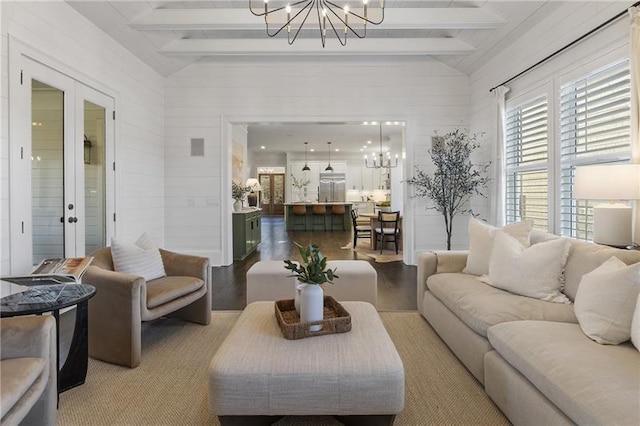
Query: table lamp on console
{"points": [[252, 198], [613, 221]]}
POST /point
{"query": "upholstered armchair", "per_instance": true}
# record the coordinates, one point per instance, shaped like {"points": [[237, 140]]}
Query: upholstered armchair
{"points": [[29, 386], [123, 301]]}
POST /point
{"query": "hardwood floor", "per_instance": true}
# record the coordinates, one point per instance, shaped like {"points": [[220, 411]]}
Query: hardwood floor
{"points": [[396, 281]]}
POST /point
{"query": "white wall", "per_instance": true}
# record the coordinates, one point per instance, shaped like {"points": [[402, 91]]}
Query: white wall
{"points": [[203, 97], [89, 55], [567, 23]]}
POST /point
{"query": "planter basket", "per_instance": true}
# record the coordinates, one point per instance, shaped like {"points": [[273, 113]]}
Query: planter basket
{"points": [[336, 319]]}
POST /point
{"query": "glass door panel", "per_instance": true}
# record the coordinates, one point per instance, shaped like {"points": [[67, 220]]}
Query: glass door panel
{"points": [[278, 195], [94, 173], [47, 171]]}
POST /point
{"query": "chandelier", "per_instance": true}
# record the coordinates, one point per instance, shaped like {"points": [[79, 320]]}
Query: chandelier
{"points": [[382, 163], [340, 19]]}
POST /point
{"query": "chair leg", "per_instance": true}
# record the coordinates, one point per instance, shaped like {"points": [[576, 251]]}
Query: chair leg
{"points": [[355, 238], [395, 240], [381, 241]]}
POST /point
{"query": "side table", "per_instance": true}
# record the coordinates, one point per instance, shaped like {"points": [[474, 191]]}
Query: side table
{"points": [[51, 298]]}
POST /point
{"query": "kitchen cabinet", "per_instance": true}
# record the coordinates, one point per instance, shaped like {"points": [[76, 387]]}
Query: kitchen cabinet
{"points": [[247, 233]]}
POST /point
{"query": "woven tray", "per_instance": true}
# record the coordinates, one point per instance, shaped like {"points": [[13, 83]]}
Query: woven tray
{"points": [[336, 319]]}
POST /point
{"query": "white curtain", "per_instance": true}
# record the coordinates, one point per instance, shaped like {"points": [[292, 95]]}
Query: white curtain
{"points": [[634, 57], [497, 199]]}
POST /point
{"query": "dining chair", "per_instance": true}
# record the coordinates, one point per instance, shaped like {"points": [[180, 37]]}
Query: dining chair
{"points": [[387, 230], [359, 231]]}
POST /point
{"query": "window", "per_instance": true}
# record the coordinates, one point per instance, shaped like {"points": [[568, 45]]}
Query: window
{"points": [[526, 159], [595, 127]]}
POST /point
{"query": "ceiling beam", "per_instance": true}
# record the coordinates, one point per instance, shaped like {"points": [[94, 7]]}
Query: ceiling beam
{"points": [[242, 19], [279, 46]]}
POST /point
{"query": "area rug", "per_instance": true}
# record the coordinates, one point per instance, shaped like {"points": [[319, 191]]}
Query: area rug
{"points": [[364, 248], [169, 387]]}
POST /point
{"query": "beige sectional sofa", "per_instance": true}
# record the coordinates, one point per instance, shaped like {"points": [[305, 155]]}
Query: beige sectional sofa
{"points": [[532, 357]]}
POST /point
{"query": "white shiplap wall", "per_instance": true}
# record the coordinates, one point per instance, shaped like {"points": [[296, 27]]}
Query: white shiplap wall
{"points": [[567, 23], [203, 97], [89, 55]]}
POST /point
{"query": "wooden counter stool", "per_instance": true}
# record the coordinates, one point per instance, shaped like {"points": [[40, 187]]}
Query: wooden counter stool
{"points": [[319, 210], [300, 211], [338, 210]]}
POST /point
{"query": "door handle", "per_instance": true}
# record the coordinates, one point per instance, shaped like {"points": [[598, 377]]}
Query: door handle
{"points": [[72, 219]]}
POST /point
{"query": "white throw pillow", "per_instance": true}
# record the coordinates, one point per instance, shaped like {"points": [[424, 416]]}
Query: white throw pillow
{"points": [[606, 300], [481, 237], [535, 271], [142, 258], [635, 325]]}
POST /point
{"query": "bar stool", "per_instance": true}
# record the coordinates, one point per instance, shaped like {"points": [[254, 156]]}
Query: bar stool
{"points": [[339, 211], [319, 210], [300, 211]]}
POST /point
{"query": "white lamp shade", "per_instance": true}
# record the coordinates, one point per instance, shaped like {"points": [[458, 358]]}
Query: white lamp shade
{"points": [[253, 184], [607, 182]]}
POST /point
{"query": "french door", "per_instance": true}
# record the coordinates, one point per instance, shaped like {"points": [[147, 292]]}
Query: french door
{"points": [[61, 150], [272, 194]]}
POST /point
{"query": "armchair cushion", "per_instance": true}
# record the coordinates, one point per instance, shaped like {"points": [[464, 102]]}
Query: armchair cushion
{"points": [[18, 376], [166, 289], [142, 258]]}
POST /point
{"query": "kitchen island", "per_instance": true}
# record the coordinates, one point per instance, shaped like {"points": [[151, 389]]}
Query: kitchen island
{"points": [[301, 216]]}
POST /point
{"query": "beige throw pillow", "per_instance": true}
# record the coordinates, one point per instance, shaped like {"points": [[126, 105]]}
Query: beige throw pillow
{"points": [[535, 271], [635, 325], [142, 258], [606, 300], [481, 237]]}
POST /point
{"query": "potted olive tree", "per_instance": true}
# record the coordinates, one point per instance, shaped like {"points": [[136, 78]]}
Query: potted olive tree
{"points": [[455, 179], [310, 274]]}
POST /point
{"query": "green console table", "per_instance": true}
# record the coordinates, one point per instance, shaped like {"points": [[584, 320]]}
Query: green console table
{"points": [[247, 233]]}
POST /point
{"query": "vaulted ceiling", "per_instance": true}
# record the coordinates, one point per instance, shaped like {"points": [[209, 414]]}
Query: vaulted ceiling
{"points": [[168, 35]]}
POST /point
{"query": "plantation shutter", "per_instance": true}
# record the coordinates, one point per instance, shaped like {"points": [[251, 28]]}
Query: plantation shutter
{"points": [[595, 128], [526, 160]]}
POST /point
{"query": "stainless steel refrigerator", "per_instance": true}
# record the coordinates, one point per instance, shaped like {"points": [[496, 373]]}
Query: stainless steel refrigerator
{"points": [[332, 187]]}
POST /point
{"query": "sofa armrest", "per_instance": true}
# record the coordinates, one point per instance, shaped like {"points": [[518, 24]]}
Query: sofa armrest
{"points": [[178, 264], [29, 336], [437, 262]]}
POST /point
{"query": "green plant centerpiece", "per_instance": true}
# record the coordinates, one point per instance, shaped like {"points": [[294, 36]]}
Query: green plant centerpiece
{"points": [[239, 191], [310, 274], [313, 268], [456, 178]]}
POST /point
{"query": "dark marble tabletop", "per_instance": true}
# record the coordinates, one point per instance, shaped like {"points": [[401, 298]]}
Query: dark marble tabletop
{"points": [[44, 298]]}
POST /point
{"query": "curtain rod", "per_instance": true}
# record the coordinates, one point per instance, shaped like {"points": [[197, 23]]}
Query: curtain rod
{"points": [[562, 49]]}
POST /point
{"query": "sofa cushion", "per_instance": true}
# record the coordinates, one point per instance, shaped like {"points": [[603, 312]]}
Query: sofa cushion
{"points": [[480, 306], [167, 289], [481, 237], [534, 271], [590, 383], [635, 325], [606, 300], [584, 257], [18, 375]]}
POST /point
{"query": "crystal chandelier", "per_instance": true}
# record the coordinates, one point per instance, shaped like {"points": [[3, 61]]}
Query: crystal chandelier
{"points": [[340, 19], [382, 163]]}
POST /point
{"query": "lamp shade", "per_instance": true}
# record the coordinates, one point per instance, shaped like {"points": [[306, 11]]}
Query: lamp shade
{"points": [[253, 184], [607, 182]]}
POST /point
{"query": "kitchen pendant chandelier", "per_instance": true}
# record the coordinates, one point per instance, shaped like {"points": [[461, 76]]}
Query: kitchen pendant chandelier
{"points": [[382, 163], [340, 19], [329, 168], [306, 167]]}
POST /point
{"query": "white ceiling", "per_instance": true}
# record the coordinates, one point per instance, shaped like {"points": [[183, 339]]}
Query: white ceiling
{"points": [[169, 35]]}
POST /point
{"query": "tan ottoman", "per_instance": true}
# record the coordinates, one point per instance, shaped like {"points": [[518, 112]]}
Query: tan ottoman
{"points": [[267, 280], [257, 374]]}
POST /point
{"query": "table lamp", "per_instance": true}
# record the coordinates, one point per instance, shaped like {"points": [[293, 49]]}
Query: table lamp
{"points": [[612, 222], [252, 198]]}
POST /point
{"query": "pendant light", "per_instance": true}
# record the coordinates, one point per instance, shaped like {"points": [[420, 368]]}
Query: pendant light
{"points": [[329, 168], [306, 167]]}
